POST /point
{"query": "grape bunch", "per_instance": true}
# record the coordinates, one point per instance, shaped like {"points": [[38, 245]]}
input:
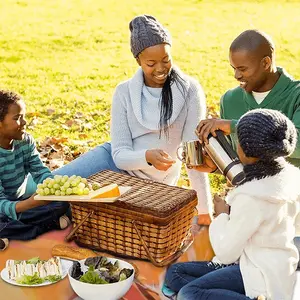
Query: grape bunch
{"points": [[64, 185]]}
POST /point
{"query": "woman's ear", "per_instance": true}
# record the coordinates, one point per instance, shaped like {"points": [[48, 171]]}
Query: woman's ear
{"points": [[138, 61]]}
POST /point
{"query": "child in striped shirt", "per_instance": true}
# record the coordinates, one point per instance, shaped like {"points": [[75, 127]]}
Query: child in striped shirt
{"points": [[22, 217]]}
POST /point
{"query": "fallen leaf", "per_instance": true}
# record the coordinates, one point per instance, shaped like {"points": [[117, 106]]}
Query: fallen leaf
{"points": [[33, 114], [78, 143], [78, 122], [69, 123], [50, 111], [65, 127], [88, 126], [34, 121], [83, 136], [78, 115], [55, 163]]}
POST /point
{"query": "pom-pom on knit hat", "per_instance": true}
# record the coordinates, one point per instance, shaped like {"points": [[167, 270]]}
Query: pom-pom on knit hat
{"points": [[266, 134], [146, 32]]}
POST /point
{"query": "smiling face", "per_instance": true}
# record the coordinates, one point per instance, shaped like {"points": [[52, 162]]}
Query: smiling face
{"points": [[156, 63], [250, 70], [12, 127]]}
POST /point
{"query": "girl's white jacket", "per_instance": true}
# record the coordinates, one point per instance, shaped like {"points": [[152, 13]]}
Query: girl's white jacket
{"points": [[259, 232]]}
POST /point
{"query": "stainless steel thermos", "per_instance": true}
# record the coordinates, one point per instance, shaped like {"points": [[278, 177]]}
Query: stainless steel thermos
{"points": [[226, 159]]}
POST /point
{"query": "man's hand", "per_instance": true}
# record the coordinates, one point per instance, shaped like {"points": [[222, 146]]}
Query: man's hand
{"points": [[208, 126], [220, 206], [159, 159]]}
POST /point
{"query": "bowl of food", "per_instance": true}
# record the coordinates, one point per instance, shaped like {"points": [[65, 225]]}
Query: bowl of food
{"points": [[107, 278]]}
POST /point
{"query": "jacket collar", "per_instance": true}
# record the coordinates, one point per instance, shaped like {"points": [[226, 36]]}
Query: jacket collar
{"points": [[281, 187]]}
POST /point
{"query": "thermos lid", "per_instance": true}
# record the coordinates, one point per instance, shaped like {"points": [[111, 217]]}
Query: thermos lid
{"points": [[238, 179]]}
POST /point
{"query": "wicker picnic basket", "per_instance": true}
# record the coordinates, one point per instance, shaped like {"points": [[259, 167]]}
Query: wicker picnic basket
{"points": [[150, 221]]}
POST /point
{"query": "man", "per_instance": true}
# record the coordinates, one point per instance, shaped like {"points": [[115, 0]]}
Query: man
{"points": [[262, 85]]}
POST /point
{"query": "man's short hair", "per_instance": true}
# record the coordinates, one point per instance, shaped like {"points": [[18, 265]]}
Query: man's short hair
{"points": [[254, 41]]}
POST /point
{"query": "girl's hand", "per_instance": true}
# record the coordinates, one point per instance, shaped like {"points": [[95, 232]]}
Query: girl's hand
{"points": [[220, 206], [159, 159]]}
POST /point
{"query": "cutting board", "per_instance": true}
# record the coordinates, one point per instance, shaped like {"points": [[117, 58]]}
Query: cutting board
{"points": [[78, 198]]}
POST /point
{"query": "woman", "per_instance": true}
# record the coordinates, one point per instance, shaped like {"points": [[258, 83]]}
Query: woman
{"points": [[152, 114]]}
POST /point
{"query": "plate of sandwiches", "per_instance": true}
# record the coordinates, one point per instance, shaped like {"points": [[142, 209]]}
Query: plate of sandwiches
{"points": [[35, 272]]}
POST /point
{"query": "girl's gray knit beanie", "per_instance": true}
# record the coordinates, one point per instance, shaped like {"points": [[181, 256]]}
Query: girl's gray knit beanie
{"points": [[266, 134]]}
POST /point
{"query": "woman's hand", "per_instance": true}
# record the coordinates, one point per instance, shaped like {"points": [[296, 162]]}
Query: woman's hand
{"points": [[208, 126], [207, 166], [220, 206], [159, 159]]}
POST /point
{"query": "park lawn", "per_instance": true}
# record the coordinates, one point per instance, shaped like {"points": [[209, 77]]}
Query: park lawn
{"points": [[66, 56]]}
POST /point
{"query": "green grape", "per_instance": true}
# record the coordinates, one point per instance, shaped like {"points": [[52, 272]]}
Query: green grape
{"points": [[86, 191], [79, 191], [72, 177], [63, 188], [84, 180], [65, 178], [95, 186], [52, 191], [40, 191], [62, 193], [46, 191], [57, 178], [47, 180], [69, 191], [74, 183], [40, 186], [67, 184], [56, 186], [57, 193], [81, 185], [50, 185], [45, 185], [75, 190]]}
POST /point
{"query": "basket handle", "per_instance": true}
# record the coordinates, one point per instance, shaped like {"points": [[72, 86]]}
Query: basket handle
{"points": [[71, 234], [169, 258]]}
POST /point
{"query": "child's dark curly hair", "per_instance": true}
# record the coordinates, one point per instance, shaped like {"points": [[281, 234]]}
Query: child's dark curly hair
{"points": [[7, 98]]}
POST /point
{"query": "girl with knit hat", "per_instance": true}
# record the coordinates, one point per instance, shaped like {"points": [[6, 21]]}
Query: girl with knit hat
{"points": [[252, 235], [152, 114]]}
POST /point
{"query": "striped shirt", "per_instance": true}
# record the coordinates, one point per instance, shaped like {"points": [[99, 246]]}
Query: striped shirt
{"points": [[15, 165]]}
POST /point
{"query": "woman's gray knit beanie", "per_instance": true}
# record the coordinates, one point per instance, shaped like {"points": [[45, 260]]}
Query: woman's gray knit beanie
{"points": [[146, 32]]}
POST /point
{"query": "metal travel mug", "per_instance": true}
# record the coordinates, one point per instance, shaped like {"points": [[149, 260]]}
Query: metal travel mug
{"points": [[192, 153]]}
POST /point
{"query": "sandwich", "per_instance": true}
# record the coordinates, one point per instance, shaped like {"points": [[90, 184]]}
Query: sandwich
{"points": [[35, 267]]}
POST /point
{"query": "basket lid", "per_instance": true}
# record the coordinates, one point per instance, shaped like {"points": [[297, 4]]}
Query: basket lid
{"points": [[146, 196]]}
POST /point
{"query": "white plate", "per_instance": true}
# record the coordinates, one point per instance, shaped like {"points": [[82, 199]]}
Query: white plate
{"points": [[65, 264], [87, 198]]}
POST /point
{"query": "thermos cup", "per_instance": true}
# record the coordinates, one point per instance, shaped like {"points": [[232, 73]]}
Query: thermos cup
{"points": [[192, 153]]}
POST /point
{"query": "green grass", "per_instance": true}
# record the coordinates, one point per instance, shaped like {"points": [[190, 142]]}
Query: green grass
{"points": [[70, 54]]}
